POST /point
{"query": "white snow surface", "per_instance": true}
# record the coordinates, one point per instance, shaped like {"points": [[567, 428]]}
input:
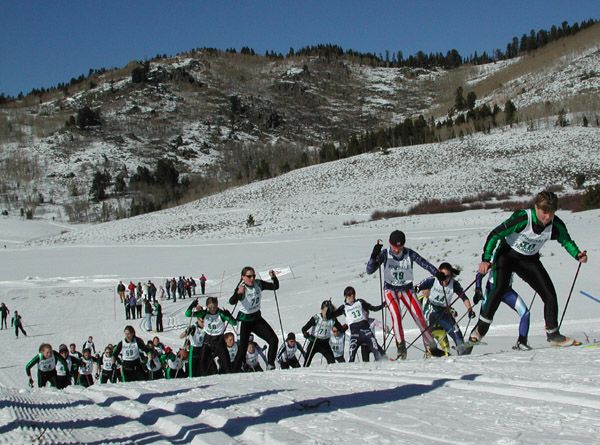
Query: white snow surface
{"points": [[66, 292]]}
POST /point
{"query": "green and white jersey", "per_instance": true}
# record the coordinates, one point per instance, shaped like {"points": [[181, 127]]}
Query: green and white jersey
{"points": [[154, 364], [525, 234], [60, 367], [46, 364], [214, 324], [130, 351], [338, 345], [250, 304], [196, 336], [322, 327], [398, 271], [252, 357], [527, 242], [232, 351], [107, 363], [87, 366]]}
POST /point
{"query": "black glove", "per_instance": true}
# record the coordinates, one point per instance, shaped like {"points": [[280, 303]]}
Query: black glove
{"points": [[478, 296], [30, 382], [441, 276], [193, 304], [376, 251], [472, 314]]}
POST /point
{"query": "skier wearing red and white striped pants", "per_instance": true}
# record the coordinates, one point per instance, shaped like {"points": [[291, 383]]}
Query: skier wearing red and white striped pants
{"points": [[397, 262]]}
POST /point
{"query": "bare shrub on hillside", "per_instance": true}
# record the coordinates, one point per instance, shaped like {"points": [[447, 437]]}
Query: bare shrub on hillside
{"points": [[77, 210], [21, 167]]}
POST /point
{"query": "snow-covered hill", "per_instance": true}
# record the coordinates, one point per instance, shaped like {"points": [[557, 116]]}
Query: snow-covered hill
{"points": [[327, 195]]}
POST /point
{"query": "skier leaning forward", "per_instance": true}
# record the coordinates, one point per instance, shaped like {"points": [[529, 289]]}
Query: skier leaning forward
{"points": [[398, 287], [520, 239]]}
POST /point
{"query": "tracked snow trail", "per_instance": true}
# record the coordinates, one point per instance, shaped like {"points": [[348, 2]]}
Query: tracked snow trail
{"points": [[439, 401]]}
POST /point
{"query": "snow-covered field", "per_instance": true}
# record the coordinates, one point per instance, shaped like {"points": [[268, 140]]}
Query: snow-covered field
{"points": [[65, 292]]}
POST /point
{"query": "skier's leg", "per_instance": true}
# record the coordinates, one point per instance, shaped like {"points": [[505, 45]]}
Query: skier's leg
{"points": [[245, 331], [501, 273], [533, 273], [514, 300], [353, 347], [266, 332], [416, 313], [391, 299], [311, 352]]}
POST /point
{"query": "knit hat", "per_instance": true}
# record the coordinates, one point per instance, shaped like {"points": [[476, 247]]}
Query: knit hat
{"points": [[291, 336], [397, 238]]}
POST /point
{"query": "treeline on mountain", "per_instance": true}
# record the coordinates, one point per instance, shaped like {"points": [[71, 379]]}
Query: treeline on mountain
{"points": [[469, 119], [452, 59]]}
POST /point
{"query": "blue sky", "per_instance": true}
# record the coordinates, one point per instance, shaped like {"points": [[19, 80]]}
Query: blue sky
{"points": [[43, 42]]}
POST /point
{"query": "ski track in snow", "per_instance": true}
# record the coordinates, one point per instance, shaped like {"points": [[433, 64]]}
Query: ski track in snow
{"points": [[386, 402]]}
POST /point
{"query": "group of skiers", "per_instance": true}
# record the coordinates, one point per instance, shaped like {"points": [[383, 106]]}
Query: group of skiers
{"points": [[511, 248]]}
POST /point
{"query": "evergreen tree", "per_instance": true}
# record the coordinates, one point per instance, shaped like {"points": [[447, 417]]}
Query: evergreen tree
{"points": [[100, 182]]}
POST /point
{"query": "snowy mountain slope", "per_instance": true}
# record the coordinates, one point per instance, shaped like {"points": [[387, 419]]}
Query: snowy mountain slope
{"points": [[327, 195], [496, 395]]}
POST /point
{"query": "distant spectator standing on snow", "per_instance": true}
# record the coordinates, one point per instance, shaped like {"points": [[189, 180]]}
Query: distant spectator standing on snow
{"points": [[4, 311], [17, 322], [151, 290], [193, 285], [147, 315], [131, 288], [138, 306], [188, 287], [158, 313], [161, 292], [181, 288], [121, 291], [203, 284], [168, 288], [126, 304], [174, 289], [89, 344], [132, 306]]}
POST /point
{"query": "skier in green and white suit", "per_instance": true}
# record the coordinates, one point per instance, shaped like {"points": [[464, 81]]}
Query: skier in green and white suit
{"points": [[46, 360], [513, 247]]}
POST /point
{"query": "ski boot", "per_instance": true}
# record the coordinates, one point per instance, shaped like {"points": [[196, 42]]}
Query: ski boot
{"points": [[557, 339], [522, 345], [433, 351], [401, 350]]}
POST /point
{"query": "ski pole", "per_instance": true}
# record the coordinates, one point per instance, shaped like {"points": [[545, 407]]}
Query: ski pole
{"points": [[569, 297], [428, 328], [532, 300], [391, 336], [591, 297], [279, 315], [383, 317]]}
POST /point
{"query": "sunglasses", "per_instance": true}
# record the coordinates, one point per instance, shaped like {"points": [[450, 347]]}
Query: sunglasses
{"points": [[250, 276], [349, 295]]}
